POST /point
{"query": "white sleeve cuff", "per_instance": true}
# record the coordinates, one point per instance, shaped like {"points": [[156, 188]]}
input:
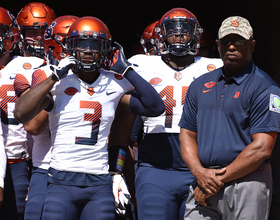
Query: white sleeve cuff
{"points": [[2, 182]]}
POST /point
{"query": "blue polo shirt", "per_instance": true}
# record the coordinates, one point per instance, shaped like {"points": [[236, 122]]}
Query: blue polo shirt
{"points": [[226, 112]]}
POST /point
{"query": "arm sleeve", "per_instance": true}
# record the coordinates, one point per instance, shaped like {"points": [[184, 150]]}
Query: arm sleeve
{"points": [[146, 101], [137, 130]]}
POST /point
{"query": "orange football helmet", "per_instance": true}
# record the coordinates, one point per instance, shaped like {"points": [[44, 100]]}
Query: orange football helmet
{"points": [[35, 15], [54, 38], [147, 40], [9, 31], [179, 23], [88, 35]]}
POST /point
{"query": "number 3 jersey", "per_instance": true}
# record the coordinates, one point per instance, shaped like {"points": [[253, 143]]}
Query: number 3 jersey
{"points": [[80, 119], [160, 144]]}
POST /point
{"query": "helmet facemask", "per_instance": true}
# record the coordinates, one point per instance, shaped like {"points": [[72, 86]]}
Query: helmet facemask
{"points": [[148, 46], [180, 36], [93, 52], [31, 46], [52, 51]]}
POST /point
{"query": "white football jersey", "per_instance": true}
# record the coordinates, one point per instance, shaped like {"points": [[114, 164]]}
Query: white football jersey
{"points": [[15, 137], [80, 121], [41, 153], [172, 86]]}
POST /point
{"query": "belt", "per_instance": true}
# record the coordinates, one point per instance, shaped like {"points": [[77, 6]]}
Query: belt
{"points": [[11, 161]]}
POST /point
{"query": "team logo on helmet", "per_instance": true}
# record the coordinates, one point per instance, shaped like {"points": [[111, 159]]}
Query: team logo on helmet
{"points": [[13, 19], [40, 24], [49, 31]]}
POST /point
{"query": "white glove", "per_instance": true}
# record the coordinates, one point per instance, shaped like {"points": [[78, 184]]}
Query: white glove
{"points": [[61, 70], [121, 194]]}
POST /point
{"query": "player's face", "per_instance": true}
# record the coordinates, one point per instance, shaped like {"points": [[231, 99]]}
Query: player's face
{"points": [[179, 32], [87, 50], [235, 51], [34, 34]]}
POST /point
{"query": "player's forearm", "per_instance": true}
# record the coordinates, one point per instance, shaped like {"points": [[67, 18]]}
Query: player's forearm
{"points": [[34, 101], [251, 157], [36, 125]]}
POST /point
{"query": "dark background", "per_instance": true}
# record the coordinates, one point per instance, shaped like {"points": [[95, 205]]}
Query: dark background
{"points": [[126, 20]]}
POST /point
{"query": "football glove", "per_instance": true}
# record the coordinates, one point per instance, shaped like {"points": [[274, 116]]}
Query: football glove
{"points": [[116, 61], [61, 70], [121, 194]]}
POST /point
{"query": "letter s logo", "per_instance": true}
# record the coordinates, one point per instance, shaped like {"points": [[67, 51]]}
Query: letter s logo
{"points": [[234, 23]]}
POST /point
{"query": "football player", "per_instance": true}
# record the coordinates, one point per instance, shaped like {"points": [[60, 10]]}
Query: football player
{"points": [[54, 46], [13, 133], [32, 20], [81, 99], [162, 178]]}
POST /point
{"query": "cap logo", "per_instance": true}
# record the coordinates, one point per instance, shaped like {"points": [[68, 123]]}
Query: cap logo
{"points": [[234, 23]]}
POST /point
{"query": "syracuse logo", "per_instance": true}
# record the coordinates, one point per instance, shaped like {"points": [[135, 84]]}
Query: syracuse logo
{"points": [[236, 95], [211, 67], [234, 23], [210, 84], [155, 81], [118, 76], [26, 66], [71, 91], [178, 76]]}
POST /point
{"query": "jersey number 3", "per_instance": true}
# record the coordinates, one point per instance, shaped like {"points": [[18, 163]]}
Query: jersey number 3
{"points": [[95, 118]]}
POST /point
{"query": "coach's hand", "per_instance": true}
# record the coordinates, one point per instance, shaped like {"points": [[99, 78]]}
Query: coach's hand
{"points": [[121, 194], [63, 67]]}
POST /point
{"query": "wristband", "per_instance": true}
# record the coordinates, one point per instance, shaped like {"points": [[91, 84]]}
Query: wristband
{"points": [[117, 155]]}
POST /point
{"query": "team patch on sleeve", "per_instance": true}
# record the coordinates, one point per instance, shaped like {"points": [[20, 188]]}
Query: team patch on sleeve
{"points": [[274, 103]]}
